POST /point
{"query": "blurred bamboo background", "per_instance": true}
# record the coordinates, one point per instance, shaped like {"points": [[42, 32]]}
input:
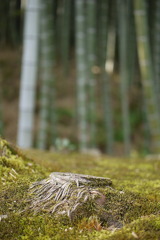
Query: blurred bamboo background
{"points": [[81, 75]]}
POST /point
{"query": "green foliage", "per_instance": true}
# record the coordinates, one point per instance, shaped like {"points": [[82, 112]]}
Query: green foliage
{"points": [[64, 115], [135, 118]]}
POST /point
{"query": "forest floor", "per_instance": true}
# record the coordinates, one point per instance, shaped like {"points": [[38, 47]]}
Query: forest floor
{"points": [[133, 201]]}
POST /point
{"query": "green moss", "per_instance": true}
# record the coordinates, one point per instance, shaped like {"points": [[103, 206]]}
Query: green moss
{"points": [[147, 228], [134, 201], [36, 227]]}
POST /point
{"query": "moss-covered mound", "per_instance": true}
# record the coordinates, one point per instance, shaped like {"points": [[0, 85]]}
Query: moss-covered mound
{"points": [[131, 209]]}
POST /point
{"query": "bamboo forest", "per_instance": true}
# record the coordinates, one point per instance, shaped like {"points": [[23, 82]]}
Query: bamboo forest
{"points": [[80, 119]]}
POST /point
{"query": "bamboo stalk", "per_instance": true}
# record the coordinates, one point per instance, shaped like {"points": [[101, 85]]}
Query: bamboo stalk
{"points": [[46, 72], [105, 56], [146, 70], [156, 49], [124, 72], [28, 74], [81, 74], [65, 35], [91, 61]]}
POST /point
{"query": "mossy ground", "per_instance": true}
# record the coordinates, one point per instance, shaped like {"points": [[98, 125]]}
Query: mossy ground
{"points": [[135, 202]]}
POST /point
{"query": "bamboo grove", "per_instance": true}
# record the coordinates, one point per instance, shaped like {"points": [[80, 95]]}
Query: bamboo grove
{"points": [[102, 55]]}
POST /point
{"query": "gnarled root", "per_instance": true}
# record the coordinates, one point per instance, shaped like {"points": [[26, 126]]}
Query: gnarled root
{"points": [[67, 193]]}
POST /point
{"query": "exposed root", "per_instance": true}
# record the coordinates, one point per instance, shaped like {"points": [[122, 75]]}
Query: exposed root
{"points": [[65, 193]]}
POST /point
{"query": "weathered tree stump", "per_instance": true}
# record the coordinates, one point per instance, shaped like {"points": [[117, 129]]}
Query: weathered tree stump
{"points": [[68, 193]]}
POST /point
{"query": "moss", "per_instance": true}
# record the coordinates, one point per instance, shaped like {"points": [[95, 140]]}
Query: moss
{"points": [[36, 227], [147, 228], [133, 204]]}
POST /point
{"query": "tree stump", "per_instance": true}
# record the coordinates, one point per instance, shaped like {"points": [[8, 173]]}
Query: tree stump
{"points": [[68, 193]]}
